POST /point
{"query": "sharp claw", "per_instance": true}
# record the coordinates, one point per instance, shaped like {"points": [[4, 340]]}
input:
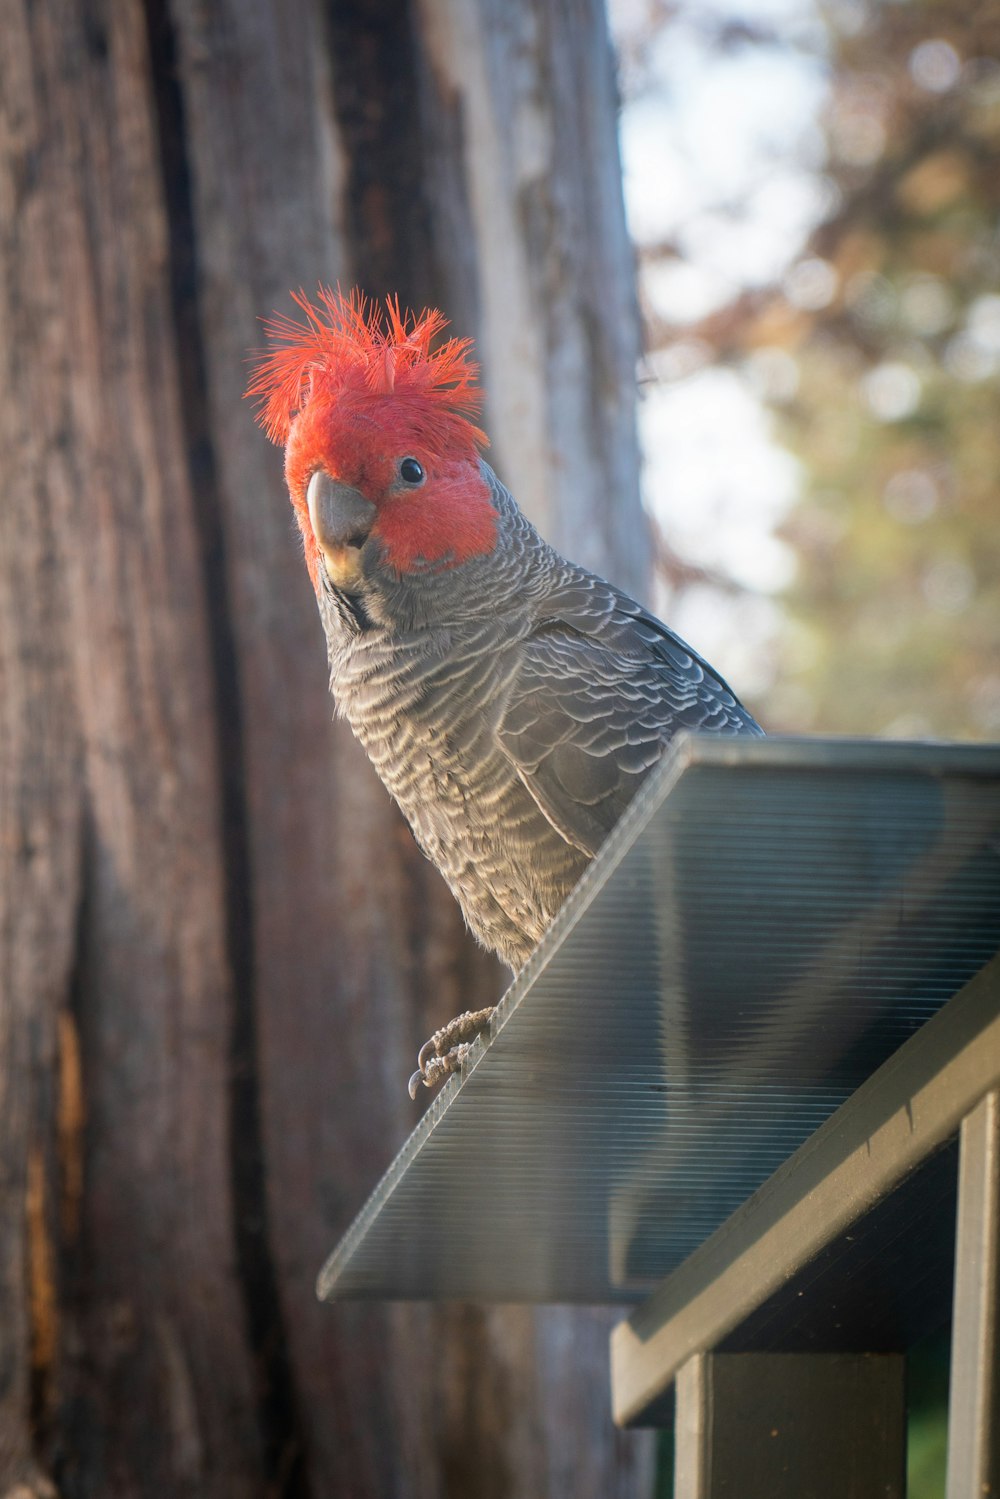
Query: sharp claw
{"points": [[425, 1053], [436, 1060]]}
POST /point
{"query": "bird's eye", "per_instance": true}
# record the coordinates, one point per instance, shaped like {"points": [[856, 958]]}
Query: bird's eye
{"points": [[411, 472]]}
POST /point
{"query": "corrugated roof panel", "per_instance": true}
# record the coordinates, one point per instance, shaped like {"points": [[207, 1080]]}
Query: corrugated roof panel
{"points": [[770, 920]]}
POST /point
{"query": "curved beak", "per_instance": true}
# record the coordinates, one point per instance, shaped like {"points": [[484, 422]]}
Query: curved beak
{"points": [[341, 520]]}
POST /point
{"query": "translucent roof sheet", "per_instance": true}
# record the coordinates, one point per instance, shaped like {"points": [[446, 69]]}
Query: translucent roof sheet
{"points": [[769, 921]]}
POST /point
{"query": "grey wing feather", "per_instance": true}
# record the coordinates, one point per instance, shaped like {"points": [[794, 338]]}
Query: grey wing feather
{"points": [[602, 686]]}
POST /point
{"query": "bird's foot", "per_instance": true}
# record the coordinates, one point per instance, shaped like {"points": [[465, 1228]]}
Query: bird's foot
{"points": [[447, 1049]]}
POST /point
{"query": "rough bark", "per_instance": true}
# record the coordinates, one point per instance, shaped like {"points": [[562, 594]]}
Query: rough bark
{"points": [[220, 948]]}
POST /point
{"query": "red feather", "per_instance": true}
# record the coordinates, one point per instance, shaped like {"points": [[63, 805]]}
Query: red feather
{"points": [[345, 352]]}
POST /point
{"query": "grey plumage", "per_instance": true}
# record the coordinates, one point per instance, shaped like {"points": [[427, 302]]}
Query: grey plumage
{"points": [[512, 706]]}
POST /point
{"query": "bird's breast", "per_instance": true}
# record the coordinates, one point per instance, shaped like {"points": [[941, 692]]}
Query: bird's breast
{"points": [[428, 720]]}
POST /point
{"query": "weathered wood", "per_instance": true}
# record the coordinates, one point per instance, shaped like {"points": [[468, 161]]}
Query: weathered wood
{"points": [[40, 800], [974, 1396], [209, 898], [148, 1312]]}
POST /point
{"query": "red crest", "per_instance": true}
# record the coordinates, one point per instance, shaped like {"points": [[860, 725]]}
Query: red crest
{"points": [[346, 351]]}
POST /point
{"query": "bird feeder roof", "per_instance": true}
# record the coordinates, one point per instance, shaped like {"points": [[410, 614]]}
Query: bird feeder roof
{"points": [[770, 920]]}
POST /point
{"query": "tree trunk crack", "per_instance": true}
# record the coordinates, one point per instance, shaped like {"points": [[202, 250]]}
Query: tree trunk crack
{"points": [[277, 1397]]}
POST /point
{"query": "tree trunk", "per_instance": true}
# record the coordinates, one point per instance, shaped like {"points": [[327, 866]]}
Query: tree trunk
{"points": [[220, 948]]}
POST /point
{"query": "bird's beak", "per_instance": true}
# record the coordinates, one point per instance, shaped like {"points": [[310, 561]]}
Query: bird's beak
{"points": [[341, 520]]}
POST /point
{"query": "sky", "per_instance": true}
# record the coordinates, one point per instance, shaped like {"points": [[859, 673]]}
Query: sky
{"points": [[722, 156]]}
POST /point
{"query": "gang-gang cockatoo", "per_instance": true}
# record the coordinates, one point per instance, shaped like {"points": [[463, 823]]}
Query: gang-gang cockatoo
{"points": [[511, 701]]}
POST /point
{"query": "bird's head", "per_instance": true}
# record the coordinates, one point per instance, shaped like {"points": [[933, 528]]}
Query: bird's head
{"points": [[381, 447]]}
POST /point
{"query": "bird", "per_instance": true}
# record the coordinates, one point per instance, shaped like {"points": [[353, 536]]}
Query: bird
{"points": [[511, 701]]}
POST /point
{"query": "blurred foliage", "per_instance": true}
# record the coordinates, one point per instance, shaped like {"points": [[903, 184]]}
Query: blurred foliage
{"points": [[880, 351], [892, 317], [927, 1397]]}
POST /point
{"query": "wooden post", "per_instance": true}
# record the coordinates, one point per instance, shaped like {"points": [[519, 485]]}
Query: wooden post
{"points": [[974, 1399], [791, 1426]]}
